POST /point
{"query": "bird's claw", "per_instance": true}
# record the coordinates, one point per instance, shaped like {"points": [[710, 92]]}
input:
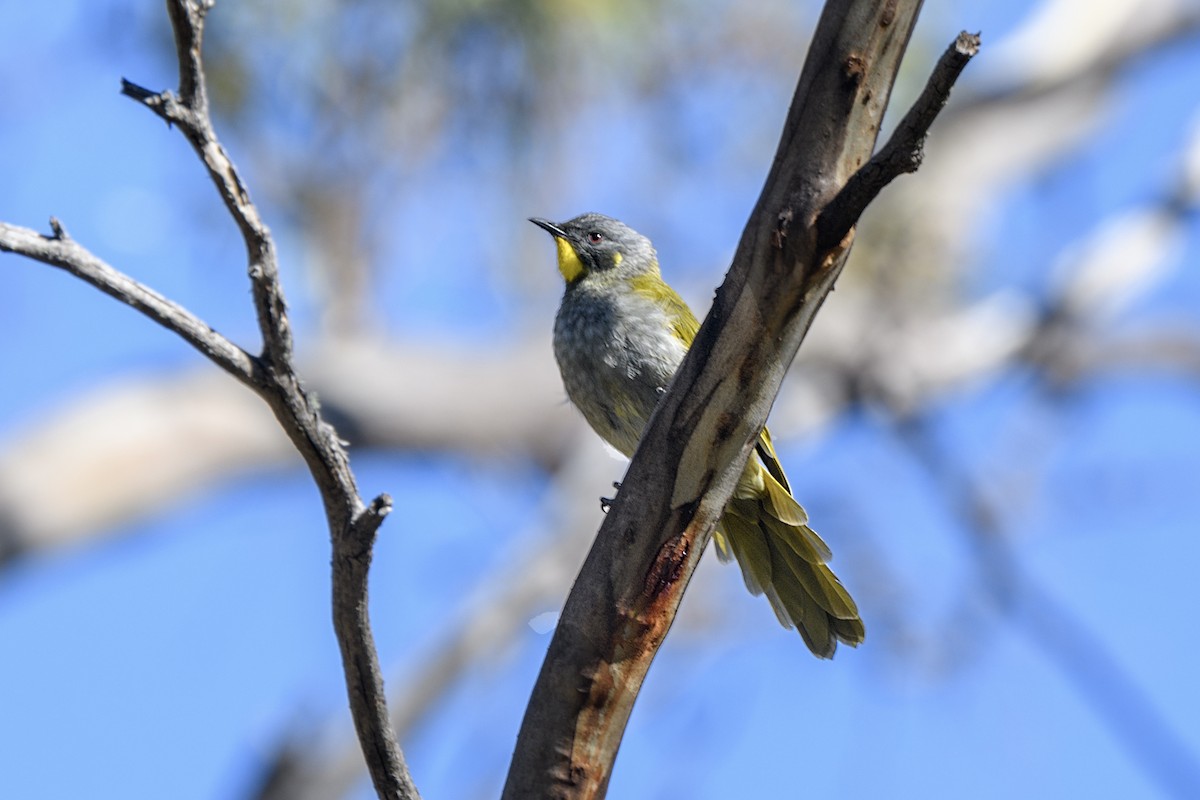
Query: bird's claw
{"points": [[606, 502]]}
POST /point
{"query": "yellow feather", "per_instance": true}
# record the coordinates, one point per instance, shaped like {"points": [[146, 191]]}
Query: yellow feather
{"points": [[750, 547], [721, 540], [568, 260], [786, 562], [683, 322], [810, 620], [781, 503], [766, 452], [801, 539], [820, 584]]}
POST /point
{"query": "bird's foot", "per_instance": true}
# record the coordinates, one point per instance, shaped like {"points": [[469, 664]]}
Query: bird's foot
{"points": [[606, 502]]}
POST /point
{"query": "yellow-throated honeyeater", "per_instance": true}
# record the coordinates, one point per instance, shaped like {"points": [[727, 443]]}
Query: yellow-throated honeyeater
{"points": [[620, 334]]}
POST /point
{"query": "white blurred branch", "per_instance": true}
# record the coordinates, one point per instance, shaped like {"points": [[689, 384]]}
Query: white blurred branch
{"points": [[178, 435]]}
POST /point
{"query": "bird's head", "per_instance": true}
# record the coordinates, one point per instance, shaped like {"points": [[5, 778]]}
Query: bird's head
{"points": [[599, 249]]}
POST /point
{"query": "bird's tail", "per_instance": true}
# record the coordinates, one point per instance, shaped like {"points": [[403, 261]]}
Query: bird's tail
{"points": [[784, 559]]}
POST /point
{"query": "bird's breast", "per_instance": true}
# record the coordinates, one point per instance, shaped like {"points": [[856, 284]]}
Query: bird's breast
{"points": [[616, 355]]}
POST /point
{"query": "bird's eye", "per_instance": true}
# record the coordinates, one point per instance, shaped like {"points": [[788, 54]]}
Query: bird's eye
{"points": [[595, 237]]}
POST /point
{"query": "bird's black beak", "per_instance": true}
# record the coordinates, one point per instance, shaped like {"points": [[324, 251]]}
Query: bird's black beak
{"points": [[549, 227]]}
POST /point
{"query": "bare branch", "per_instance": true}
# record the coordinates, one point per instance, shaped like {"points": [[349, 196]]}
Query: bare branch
{"points": [[905, 149], [189, 111], [697, 442], [352, 552], [535, 579], [187, 21], [352, 524], [59, 250]]}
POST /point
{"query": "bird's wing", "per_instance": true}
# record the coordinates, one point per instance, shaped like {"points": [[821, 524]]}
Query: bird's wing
{"points": [[766, 453], [683, 321], [650, 285], [685, 325]]}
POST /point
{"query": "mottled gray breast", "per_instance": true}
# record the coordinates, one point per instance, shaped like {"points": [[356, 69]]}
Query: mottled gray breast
{"points": [[616, 354]]}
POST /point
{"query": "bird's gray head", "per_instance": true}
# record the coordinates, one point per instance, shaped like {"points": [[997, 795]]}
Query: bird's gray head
{"points": [[597, 248]]}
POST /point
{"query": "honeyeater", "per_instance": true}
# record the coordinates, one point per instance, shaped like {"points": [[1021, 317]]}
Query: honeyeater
{"points": [[620, 334]]}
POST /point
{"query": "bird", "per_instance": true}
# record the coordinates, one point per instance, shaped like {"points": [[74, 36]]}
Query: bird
{"points": [[619, 336]]}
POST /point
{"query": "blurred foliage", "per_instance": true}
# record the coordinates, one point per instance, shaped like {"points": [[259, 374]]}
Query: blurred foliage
{"points": [[340, 111]]}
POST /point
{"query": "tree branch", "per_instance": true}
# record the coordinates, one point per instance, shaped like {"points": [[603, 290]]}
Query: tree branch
{"points": [[272, 375], [60, 250], [905, 149], [497, 614], [697, 442], [189, 111]]}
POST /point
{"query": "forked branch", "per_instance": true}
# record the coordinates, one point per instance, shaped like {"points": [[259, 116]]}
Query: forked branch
{"points": [[905, 149], [352, 523], [696, 444]]}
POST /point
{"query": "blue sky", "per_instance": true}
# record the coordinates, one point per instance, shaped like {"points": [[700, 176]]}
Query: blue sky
{"points": [[169, 660]]}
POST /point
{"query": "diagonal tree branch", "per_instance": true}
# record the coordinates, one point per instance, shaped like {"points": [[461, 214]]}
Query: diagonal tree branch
{"points": [[352, 523], [60, 250], [905, 148], [697, 442], [535, 579], [189, 112]]}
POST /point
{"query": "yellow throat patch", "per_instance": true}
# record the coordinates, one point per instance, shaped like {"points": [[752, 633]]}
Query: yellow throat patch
{"points": [[568, 260]]}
